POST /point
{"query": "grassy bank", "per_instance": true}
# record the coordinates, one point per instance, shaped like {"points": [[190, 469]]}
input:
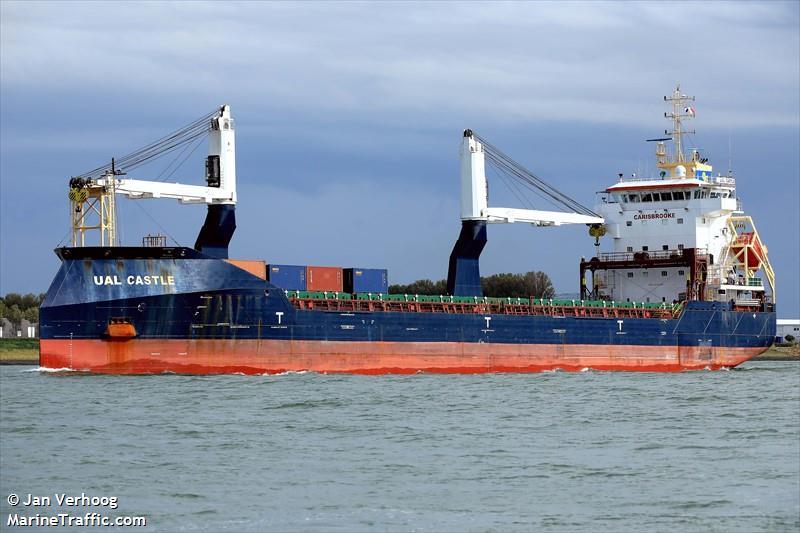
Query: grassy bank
{"points": [[781, 353], [19, 350]]}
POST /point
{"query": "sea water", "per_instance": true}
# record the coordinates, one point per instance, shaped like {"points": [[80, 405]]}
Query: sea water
{"points": [[589, 451]]}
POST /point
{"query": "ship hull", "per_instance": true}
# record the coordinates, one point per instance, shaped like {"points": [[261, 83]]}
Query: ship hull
{"points": [[144, 356], [133, 311]]}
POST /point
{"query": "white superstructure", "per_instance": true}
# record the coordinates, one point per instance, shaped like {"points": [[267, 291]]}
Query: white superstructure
{"points": [[681, 234]]}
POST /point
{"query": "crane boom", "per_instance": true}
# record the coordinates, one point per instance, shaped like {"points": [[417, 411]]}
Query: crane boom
{"points": [[186, 194], [220, 172], [508, 215], [475, 197], [463, 273], [92, 194]]}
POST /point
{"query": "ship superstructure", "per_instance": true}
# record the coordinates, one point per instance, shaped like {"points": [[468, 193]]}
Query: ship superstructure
{"points": [[680, 235], [678, 292]]}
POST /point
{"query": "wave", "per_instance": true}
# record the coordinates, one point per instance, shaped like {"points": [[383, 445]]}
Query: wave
{"points": [[51, 370], [291, 373]]}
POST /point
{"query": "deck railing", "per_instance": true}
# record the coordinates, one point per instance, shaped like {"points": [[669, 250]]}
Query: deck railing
{"points": [[372, 302], [647, 254]]}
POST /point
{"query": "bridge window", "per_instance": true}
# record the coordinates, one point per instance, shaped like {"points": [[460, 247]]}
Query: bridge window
{"points": [[647, 197], [633, 197], [666, 196]]}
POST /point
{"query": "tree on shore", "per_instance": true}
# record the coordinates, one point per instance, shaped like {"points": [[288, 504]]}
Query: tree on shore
{"points": [[530, 284], [421, 286], [16, 307]]}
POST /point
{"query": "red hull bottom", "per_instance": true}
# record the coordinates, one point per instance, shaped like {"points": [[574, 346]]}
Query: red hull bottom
{"points": [[144, 356]]}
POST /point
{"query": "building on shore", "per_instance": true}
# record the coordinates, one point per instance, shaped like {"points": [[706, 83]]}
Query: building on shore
{"points": [[24, 330], [786, 327]]}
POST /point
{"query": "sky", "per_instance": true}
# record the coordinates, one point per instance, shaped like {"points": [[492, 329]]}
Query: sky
{"points": [[349, 118]]}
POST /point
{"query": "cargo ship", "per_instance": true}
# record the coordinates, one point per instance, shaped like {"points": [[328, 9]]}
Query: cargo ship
{"points": [[685, 285]]}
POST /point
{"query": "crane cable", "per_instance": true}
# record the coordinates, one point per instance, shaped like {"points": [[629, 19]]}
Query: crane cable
{"points": [[158, 148], [511, 168]]}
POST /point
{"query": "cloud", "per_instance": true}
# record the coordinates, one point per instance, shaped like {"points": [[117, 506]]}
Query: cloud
{"points": [[591, 62], [349, 115]]}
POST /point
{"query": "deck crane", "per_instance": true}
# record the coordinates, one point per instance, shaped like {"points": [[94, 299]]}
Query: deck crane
{"points": [[92, 194], [463, 277]]}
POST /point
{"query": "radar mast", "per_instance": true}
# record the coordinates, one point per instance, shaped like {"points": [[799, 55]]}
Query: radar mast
{"points": [[677, 165]]}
